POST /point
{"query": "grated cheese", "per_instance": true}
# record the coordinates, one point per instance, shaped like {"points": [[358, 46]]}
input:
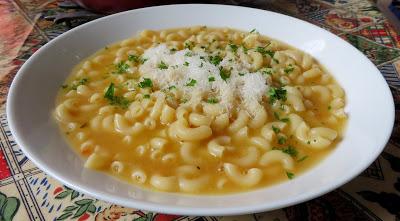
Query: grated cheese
{"points": [[189, 71]]}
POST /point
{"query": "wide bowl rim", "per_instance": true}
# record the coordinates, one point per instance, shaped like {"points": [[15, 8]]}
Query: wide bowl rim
{"points": [[173, 209]]}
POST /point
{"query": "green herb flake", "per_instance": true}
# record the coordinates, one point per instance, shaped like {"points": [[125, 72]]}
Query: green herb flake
{"points": [[188, 54], [253, 30], [146, 96], [233, 47], [191, 82], [288, 69], [267, 71], [289, 175], [186, 64], [121, 67], [276, 115], [244, 48], [215, 60], [242, 74], [172, 49], [211, 79], [275, 94], [329, 107], [281, 140], [212, 100], [302, 159], [285, 120], [133, 58], [276, 129], [201, 65], [184, 100], [171, 87], [64, 86], [142, 60], [162, 65], [225, 74], [265, 52], [146, 83], [82, 81], [115, 100], [291, 151], [189, 45]]}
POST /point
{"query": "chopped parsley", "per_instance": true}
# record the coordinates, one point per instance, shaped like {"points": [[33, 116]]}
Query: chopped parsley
{"points": [[184, 100], [329, 107], [189, 45], [215, 60], [212, 100], [82, 81], [225, 74], [275, 94], [265, 52], [242, 74], [211, 79], [253, 30], [276, 129], [289, 175], [285, 119], [145, 83], [267, 71], [146, 96], [188, 54], [281, 140], [201, 65], [172, 50], [291, 151], [244, 48], [114, 99], [133, 58], [121, 67], [142, 60], [302, 159], [171, 87], [289, 69], [162, 65], [191, 83], [233, 47], [276, 115], [186, 64]]}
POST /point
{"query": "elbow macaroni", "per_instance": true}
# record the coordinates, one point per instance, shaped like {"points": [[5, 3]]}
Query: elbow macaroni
{"points": [[160, 138]]}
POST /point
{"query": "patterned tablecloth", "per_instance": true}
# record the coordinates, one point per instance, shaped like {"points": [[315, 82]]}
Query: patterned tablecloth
{"points": [[27, 193]]}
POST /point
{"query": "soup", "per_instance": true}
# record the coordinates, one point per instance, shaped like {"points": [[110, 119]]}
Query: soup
{"points": [[201, 110]]}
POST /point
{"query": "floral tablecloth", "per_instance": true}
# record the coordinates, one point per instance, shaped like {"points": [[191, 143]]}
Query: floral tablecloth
{"points": [[27, 193]]}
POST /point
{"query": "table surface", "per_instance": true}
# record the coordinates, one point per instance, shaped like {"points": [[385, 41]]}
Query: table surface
{"points": [[27, 193]]}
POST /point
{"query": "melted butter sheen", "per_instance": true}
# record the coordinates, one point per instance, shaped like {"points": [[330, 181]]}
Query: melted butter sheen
{"points": [[204, 136]]}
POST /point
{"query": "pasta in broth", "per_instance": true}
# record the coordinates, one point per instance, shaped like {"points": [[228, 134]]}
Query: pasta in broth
{"points": [[201, 110]]}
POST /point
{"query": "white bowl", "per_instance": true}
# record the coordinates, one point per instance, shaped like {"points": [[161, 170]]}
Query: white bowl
{"points": [[32, 94]]}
